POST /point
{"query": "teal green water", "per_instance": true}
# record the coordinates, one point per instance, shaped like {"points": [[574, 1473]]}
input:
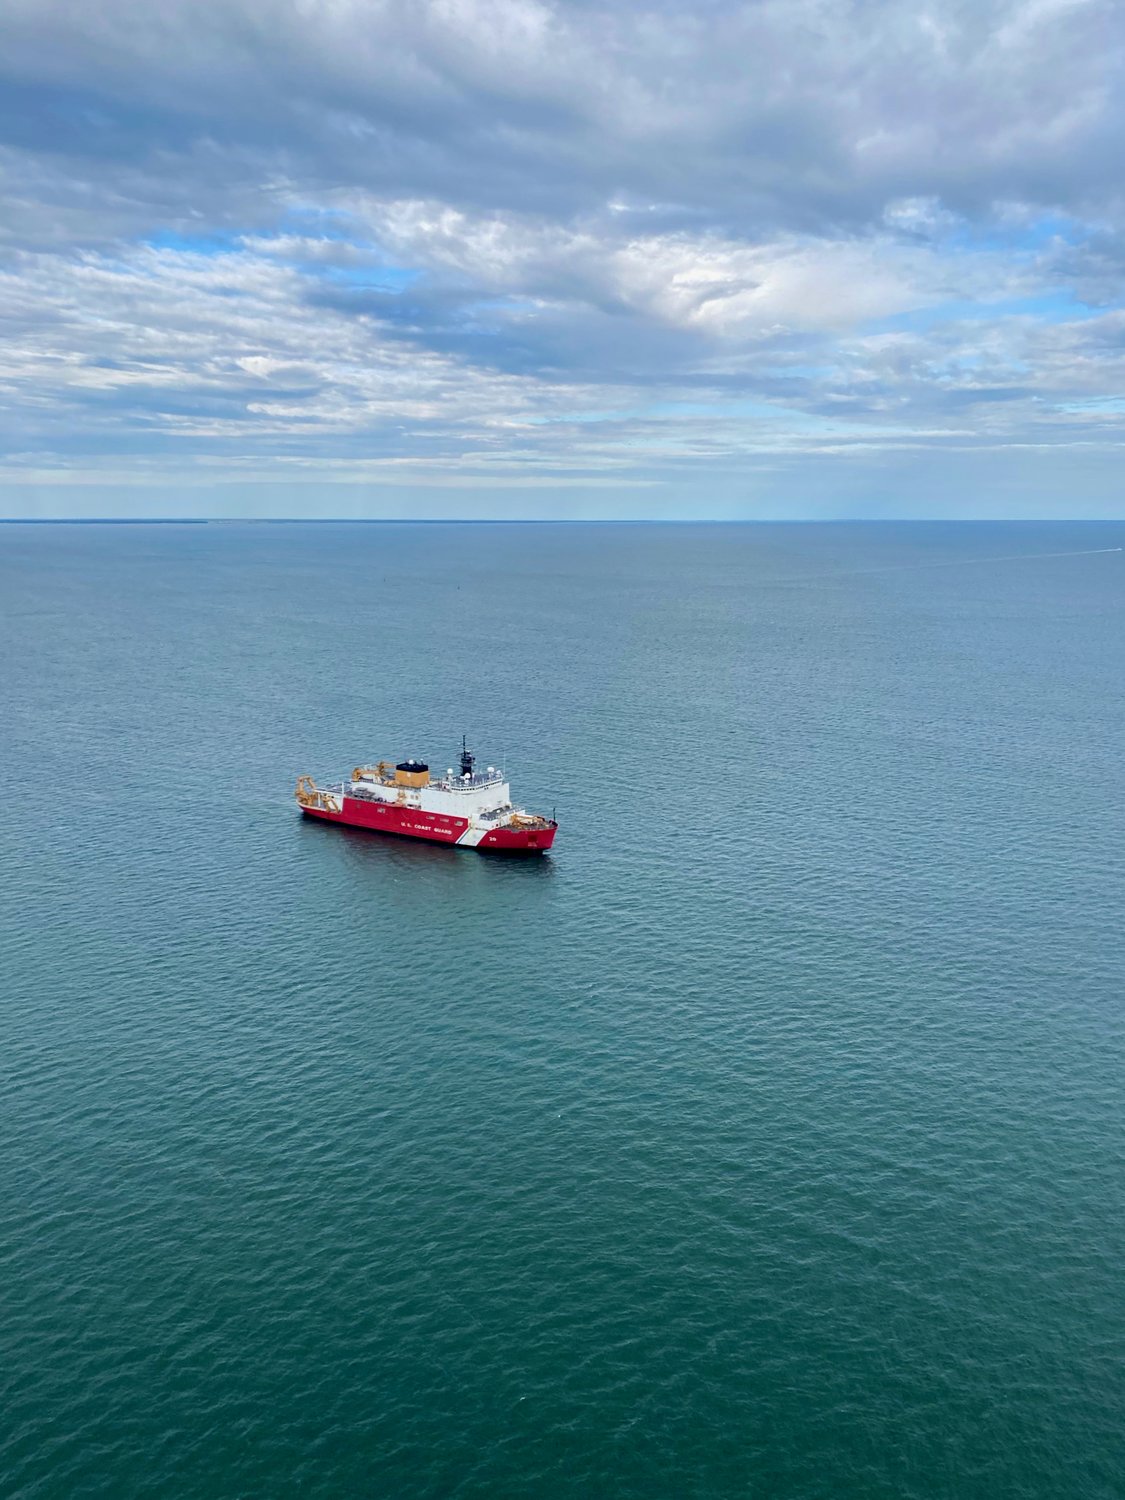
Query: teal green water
{"points": [[766, 1140]]}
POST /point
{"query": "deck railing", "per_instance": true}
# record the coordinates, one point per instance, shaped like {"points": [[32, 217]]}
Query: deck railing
{"points": [[441, 784]]}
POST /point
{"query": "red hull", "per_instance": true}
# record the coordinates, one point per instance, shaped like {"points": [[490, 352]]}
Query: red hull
{"points": [[518, 840], [434, 828]]}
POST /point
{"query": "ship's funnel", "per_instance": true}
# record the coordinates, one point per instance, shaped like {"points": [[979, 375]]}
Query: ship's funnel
{"points": [[412, 773]]}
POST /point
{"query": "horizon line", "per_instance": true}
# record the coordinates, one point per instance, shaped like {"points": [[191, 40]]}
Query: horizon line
{"points": [[557, 520]]}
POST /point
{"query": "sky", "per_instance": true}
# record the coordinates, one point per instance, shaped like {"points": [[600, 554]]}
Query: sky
{"points": [[489, 258]]}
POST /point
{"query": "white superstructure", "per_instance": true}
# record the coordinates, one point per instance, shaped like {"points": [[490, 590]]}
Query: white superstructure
{"points": [[476, 796]]}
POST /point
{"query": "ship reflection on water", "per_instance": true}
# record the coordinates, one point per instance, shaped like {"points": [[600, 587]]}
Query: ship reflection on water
{"points": [[388, 855]]}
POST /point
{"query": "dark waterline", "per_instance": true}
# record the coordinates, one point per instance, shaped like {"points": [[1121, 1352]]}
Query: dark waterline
{"points": [[765, 1140]]}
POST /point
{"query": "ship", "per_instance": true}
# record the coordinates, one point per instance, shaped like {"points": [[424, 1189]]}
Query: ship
{"points": [[470, 808]]}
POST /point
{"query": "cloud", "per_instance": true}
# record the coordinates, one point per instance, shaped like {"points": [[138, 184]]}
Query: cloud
{"points": [[799, 113], [503, 241]]}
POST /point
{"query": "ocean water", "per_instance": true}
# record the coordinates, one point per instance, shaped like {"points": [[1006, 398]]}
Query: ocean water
{"points": [[766, 1140]]}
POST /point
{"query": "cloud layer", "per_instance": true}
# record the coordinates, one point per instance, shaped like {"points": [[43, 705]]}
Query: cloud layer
{"points": [[729, 259]]}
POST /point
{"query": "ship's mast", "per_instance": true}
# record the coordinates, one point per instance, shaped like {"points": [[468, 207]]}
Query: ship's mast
{"points": [[466, 759]]}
